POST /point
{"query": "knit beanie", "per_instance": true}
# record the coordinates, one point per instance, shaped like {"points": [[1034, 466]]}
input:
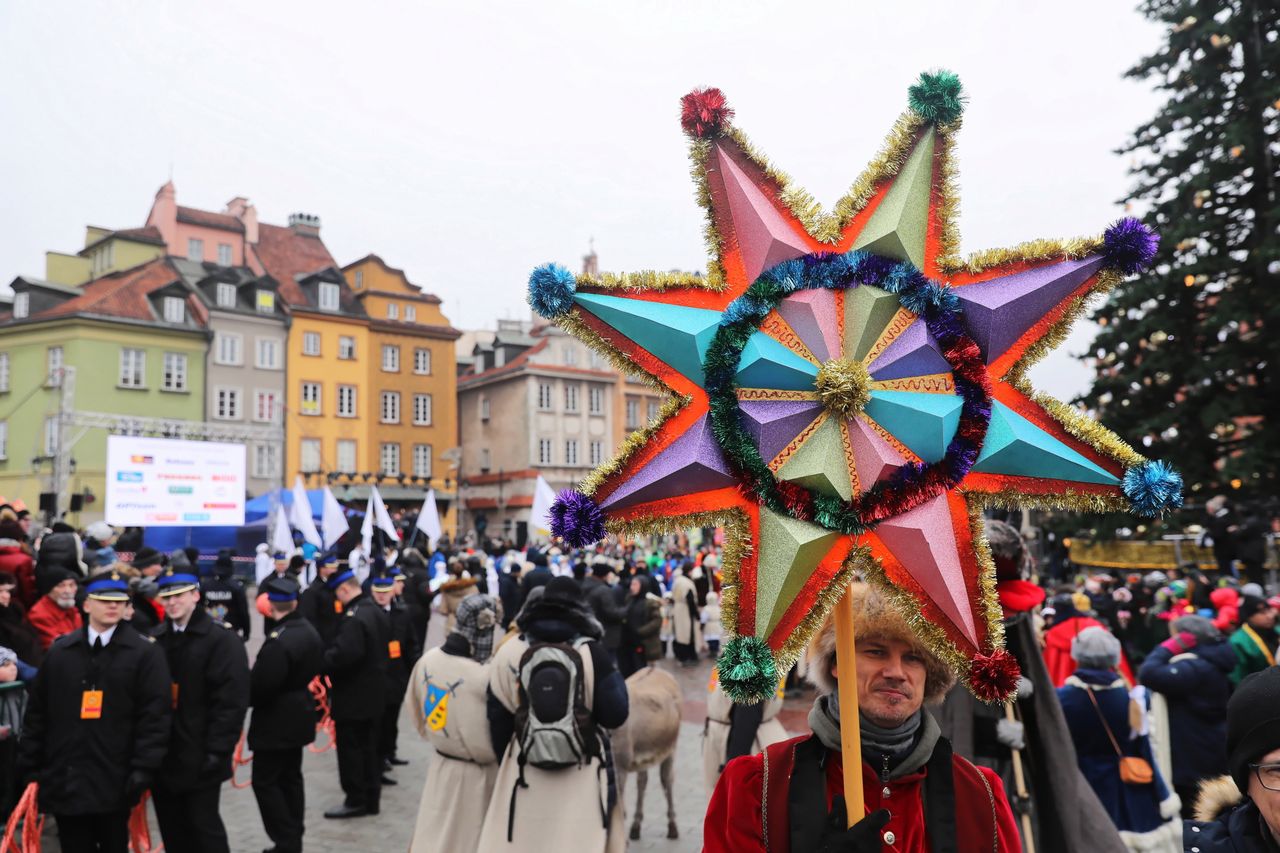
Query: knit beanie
{"points": [[1197, 626], [1095, 648], [1253, 722], [1251, 605]]}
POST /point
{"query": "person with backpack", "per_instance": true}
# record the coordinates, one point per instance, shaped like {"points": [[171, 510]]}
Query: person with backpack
{"points": [[553, 690]]}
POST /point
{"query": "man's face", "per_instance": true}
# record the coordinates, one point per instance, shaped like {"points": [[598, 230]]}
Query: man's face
{"points": [[891, 680], [1267, 801], [1264, 619], [64, 594], [383, 598], [398, 589], [347, 591], [179, 605], [327, 570], [6, 594], [103, 614]]}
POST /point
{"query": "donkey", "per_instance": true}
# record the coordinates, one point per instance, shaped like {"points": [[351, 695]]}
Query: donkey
{"points": [[648, 738]]}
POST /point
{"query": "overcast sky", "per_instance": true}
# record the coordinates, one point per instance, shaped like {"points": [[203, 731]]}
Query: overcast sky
{"points": [[469, 142]]}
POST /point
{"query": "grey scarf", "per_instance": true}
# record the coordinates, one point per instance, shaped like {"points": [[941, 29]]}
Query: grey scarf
{"points": [[824, 719]]}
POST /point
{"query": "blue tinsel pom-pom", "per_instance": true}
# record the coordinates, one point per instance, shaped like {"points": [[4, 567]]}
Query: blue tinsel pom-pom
{"points": [[577, 519], [1129, 246], [551, 289], [1153, 488]]}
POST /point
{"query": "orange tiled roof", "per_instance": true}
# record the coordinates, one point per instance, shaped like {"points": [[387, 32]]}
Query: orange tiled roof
{"points": [[285, 254], [225, 221], [122, 294]]}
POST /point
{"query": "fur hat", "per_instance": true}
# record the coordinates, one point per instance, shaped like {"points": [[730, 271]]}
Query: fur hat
{"points": [[875, 616]]}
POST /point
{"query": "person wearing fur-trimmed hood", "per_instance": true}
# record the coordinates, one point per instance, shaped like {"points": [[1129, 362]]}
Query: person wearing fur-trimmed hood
{"points": [[918, 795]]}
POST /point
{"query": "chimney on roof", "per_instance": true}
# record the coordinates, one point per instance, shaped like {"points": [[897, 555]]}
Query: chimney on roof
{"points": [[240, 208], [306, 224]]}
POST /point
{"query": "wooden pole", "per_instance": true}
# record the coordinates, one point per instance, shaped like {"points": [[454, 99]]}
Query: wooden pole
{"points": [[847, 685], [1020, 786]]}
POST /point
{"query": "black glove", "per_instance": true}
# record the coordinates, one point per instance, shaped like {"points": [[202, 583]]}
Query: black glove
{"points": [[864, 837], [138, 782], [215, 767]]}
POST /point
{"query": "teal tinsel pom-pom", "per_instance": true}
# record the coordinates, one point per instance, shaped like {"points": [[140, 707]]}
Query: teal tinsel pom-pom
{"points": [[937, 97], [747, 671], [1153, 488], [551, 290]]}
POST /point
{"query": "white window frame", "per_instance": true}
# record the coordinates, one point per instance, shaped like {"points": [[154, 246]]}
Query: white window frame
{"points": [[308, 338], [389, 458], [228, 348], [422, 361], [267, 346], [174, 309], [544, 451], [571, 451], [359, 279], [485, 460], [389, 410], [315, 405], [133, 368], [261, 394], [21, 305], [390, 358], [233, 400], [346, 344], [266, 460], [346, 464], [422, 409], [633, 413], [393, 311], [4, 439], [264, 301], [226, 295], [173, 376], [484, 409], [571, 390], [54, 359], [422, 459], [195, 247], [310, 447], [597, 453], [410, 314], [224, 255], [328, 296], [651, 410], [595, 400], [347, 411], [546, 398], [4, 372], [570, 354]]}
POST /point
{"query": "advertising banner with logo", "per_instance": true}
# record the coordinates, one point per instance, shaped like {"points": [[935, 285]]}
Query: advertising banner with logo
{"points": [[165, 482]]}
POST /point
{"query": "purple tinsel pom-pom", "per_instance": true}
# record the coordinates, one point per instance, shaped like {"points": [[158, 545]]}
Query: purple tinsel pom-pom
{"points": [[1129, 246], [576, 519]]}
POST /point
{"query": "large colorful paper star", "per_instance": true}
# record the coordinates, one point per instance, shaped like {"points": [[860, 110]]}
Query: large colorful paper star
{"points": [[847, 395]]}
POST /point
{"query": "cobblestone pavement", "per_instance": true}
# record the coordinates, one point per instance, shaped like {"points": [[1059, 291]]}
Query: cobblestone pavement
{"points": [[393, 829]]}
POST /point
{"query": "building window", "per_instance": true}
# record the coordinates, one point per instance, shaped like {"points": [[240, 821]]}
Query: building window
{"points": [[310, 343], [422, 460], [133, 365], [310, 456], [390, 458], [226, 404], [633, 413], [544, 396], [393, 311], [570, 354], [595, 400], [410, 314], [544, 451], [571, 398], [391, 407], [652, 410], [571, 452], [346, 460], [175, 372], [485, 462], [175, 309], [224, 254], [4, 439], [310, 398], [359, 279], [597, 453], [268, 353], [21, 305], [346, 348], [264, 301], [51, 435], [53, 367], [226, 295], [597, 361], [422, 410], [346, 401], [4, 372], [195, 250], [390, 358], [266, 460], [227, 348], [484, 406], [264, 406], [329, 295], [422, 361]]}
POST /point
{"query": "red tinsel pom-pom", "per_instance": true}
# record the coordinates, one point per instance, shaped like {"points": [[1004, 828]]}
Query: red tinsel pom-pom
{"points": [[993, 677], [704, 112]]}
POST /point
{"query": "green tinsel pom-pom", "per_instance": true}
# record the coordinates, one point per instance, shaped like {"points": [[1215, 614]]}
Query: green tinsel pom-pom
{"points": [[747, 671], [937, 97]]}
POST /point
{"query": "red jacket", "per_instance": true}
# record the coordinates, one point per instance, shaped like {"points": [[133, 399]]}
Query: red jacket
{"points": [[1057, 650], [735, 823], [50, 621], [17, 561]]}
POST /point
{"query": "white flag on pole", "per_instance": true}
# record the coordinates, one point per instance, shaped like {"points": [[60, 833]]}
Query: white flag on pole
{"points": [[300, 514], [376, 515], [540, 515], [333, 519], [429, 519], [281, 536], [366, 526]]}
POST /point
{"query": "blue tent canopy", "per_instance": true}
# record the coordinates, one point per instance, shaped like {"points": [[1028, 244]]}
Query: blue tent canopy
{"points": [[260, 507]]}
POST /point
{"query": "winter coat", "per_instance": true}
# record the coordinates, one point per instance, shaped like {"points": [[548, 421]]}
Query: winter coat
{"points": [[1195, 685], [83, 765], [509, 595], [319, 606], [447, 699], [16, 559], [599, 596], [17, 634], [50, 621], [1250, 656], [225, 600], [535, 577], [356, 662], [1146, 815], [1226, 822], [1057, 649], [644, 622], [402, 652], [452, 592], [417, 598], [688, 629], [751, 727], [284, 711], [210, 695]]}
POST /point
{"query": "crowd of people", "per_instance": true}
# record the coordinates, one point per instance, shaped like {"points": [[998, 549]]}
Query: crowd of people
{"points": [[124, 672]]}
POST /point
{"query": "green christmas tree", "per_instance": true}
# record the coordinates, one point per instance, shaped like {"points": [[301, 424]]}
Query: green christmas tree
{"points": [[1188, 355]]}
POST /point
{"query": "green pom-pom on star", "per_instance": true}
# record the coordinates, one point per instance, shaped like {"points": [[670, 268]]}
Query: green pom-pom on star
{"points": [[937, 97], [747, 671]]}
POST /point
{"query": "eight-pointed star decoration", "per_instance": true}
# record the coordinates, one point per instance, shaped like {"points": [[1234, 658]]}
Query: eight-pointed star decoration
{"points": [[847, 395]]}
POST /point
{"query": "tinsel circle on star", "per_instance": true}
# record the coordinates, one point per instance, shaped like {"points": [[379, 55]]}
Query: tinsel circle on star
{"points": [[911, 484], [993, 676], [704, 113]]}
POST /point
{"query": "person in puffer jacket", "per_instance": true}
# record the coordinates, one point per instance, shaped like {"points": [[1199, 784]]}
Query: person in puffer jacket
{"points": [[17, 558], [1191, 669]]}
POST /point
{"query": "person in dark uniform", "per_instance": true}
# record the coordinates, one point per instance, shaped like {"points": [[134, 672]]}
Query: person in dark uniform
{"points": [[417, 593], [402, 653], [147, 612], [356, 663], [284, 715], [97, 723], [210, 694], [223, 596], [319, 605]]}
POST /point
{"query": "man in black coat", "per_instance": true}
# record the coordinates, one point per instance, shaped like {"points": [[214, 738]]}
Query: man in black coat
{"points": [[403, 652], [97, 723], [509, 591], [356, 663], [539, 575], [600, 597], [210, 694], [319, 605], [284, 715], [417, 593], [223, 596]]}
